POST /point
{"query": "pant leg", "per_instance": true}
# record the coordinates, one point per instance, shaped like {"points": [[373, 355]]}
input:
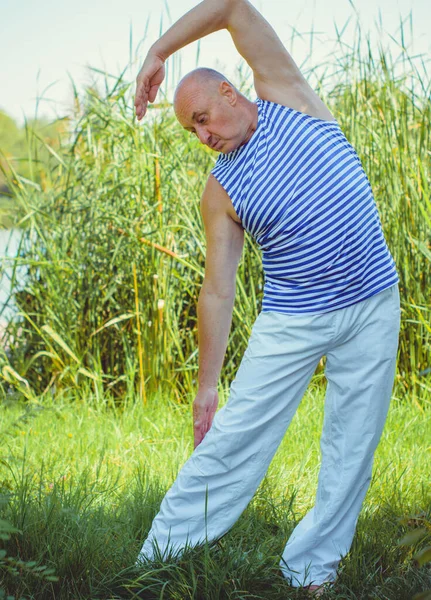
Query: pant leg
{"points": [[360, 369], [232, 459]]}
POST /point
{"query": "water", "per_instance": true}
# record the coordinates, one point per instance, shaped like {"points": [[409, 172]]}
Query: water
{"points": [[9, 242]]}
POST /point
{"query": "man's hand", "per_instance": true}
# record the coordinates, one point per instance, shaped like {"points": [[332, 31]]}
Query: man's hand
{"points": [[148, 82], [204, 408]]}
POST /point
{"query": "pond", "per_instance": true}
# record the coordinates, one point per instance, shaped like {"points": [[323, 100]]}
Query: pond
{"points": [[9, 243]]}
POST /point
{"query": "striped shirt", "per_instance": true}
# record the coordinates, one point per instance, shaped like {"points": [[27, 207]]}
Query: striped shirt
{"points": [[299, 188]]}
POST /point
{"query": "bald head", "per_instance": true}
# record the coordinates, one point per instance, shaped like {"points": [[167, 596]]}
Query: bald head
{"points": [[202, 79]]}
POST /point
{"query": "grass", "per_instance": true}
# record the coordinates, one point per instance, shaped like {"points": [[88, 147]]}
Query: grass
{"points": [[83, 484]]}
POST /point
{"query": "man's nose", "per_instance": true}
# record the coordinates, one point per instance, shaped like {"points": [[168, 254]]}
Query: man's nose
{"points": [[203, 135]]}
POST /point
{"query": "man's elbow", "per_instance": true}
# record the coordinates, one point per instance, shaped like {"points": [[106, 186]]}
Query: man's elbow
{"points": [[223, 291], [230, 6]]}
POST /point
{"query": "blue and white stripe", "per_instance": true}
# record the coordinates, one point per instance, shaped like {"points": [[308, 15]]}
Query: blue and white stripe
{"points": [[300, 191]]}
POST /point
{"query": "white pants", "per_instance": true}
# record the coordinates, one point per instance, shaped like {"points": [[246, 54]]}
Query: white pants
{"points": [[360, 343]]}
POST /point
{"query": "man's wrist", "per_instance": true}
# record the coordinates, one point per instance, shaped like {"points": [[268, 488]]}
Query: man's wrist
{"points": [[156, 50], [206, 386]]}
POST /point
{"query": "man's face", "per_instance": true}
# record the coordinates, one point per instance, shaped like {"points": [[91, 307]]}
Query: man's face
{"points": [[211, 116]]}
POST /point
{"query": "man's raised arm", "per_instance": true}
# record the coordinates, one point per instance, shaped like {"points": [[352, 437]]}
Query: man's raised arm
{"points": [[273, 67]]}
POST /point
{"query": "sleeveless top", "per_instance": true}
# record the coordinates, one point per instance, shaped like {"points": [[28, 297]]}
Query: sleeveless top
{"points": [[299, 188]]}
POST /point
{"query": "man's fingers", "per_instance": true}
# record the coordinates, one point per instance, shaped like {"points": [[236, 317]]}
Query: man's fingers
{"points": [[137, 95], [141, 96], [204, 408], [153, 93], [201, 428], [141, 109], [198, 436]]}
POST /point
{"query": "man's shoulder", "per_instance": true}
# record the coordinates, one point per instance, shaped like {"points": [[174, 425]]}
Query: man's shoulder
{"points": [[299, 96], [215, 198]]}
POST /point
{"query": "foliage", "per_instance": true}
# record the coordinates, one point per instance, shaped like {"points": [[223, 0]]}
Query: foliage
{"points": [[115, 248], [25, 150]]}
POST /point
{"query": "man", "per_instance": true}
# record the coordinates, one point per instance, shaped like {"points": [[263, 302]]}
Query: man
{"points": [[287, 175]]}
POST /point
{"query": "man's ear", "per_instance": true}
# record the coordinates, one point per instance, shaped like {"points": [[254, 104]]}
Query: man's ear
{"points": [[228, 91]]}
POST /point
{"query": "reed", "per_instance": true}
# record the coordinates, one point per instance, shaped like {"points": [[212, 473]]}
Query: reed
{"points": [[121, 192]]}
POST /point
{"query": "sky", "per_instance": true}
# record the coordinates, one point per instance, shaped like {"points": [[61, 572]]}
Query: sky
{"points": [[46, 45]]}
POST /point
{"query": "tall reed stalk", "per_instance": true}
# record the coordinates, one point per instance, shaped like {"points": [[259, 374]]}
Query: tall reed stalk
{"points": [[122, 192]]}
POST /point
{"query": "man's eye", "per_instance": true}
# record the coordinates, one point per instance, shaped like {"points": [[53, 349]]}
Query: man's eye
{"points": [[201, 120]]}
